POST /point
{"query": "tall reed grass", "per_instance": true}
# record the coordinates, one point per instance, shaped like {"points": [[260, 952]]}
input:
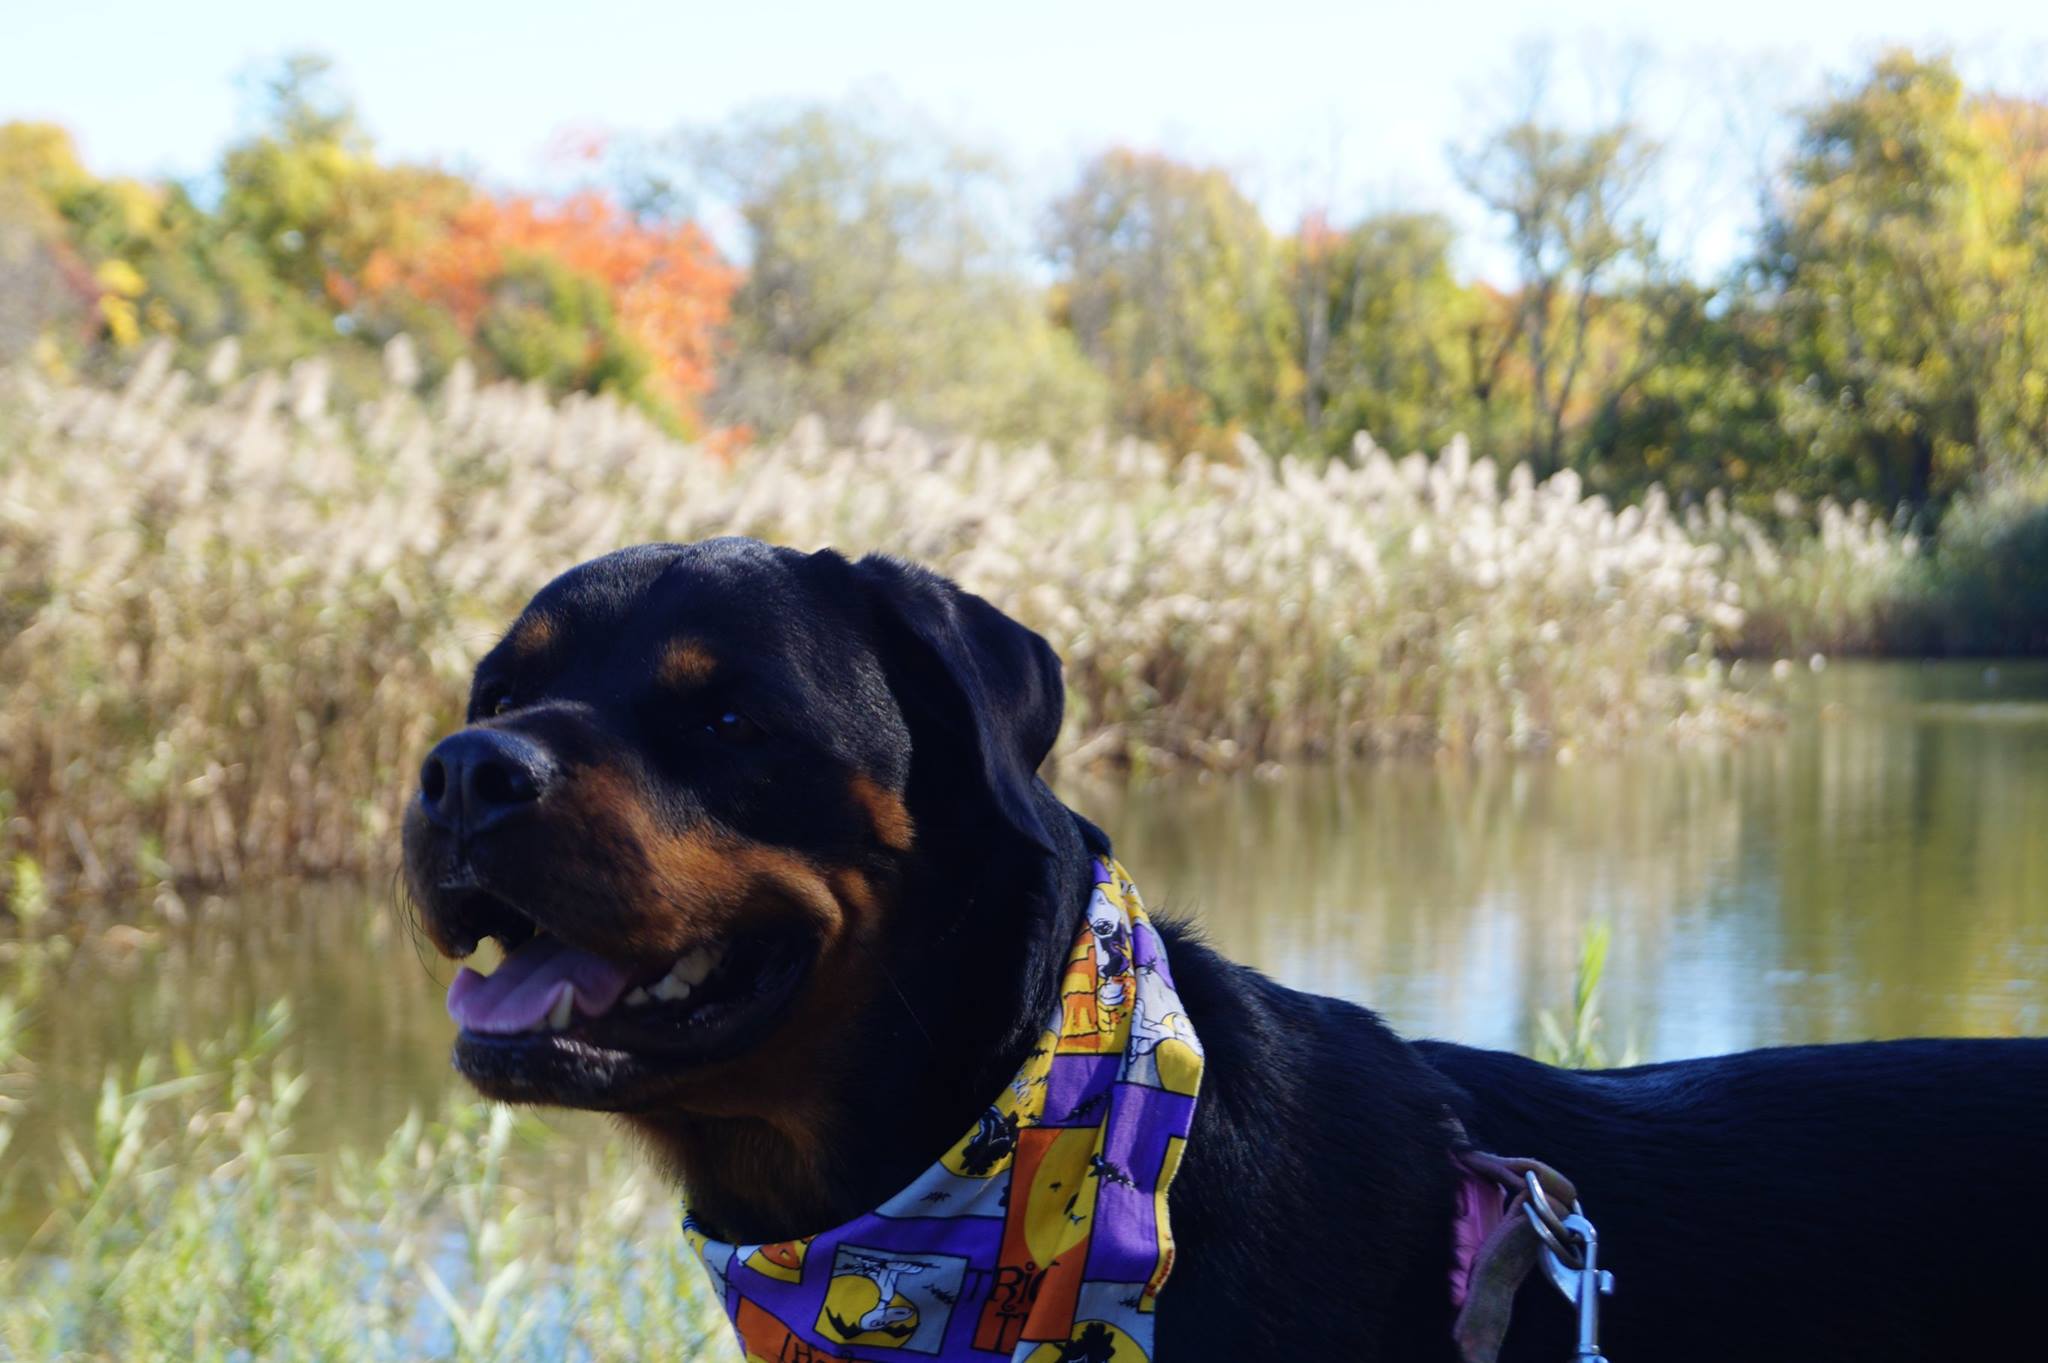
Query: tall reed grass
{"points": [[232, 617], [1841, 579], [1821, 578]]}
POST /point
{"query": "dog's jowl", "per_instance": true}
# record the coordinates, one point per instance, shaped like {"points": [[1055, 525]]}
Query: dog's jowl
{"points": [[762, 837]]}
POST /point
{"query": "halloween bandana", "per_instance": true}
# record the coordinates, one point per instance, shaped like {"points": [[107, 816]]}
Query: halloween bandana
{"points": [[1042, 1235]]}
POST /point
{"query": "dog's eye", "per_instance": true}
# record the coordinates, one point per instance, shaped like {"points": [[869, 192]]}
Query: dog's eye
{"points": [[733, 727], [494, 702], [501, 705]]}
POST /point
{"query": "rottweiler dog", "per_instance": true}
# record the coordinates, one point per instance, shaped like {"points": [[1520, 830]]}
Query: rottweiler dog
{"points": [[778, 815]]}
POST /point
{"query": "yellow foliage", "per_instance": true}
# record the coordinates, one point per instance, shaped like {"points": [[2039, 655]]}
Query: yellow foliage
{"points": [[119, 277], [122, 322], [121, 284], [41, 155], [138, 204]]}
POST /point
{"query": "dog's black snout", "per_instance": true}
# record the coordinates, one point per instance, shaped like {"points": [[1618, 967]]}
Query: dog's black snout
{"points": [[475, 778]]}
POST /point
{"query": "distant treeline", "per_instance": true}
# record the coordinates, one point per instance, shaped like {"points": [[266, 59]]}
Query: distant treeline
{"points": [[1886, 338]]}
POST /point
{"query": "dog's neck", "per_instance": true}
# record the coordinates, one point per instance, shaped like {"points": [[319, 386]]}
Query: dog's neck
{"points": [[896, 1090]]}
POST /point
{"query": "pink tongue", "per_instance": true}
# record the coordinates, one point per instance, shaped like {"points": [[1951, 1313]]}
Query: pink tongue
{"points": [[522, 990]]}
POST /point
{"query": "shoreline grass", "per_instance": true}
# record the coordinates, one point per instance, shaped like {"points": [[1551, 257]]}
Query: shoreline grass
{"points": [[232, 615], [184, 1226], [182, 1222]]}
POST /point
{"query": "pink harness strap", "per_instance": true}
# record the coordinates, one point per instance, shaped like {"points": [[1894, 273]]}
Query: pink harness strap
{"points": [[1482, 1206], [1493, 1244]]}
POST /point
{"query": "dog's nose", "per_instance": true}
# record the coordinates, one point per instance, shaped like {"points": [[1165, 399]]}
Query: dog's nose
{"points": [[475, 778]]}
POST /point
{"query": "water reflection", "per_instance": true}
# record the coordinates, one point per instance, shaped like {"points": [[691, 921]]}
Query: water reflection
{"points": [[1873, 871]]}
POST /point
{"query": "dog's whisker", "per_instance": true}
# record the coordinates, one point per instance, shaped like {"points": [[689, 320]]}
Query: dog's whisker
{"points": [[881, 966]]}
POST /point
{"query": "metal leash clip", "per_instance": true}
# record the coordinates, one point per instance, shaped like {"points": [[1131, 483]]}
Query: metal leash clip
{"points": [[1571, 1252]]}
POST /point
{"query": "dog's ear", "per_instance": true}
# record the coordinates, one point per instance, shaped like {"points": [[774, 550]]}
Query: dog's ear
{"points": [[973, 682]]}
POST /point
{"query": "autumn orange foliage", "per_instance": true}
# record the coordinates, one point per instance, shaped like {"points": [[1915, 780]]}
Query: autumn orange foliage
{"points": [[671, 291]]}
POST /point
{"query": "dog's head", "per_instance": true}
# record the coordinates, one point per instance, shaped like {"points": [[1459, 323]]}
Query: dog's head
{"points": [[694, 783]]}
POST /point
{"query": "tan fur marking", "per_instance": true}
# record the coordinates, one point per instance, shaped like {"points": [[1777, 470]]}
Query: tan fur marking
{"points": [[534, 634], [687, 663], [685, 887], [756, 1121], [885, 811]]}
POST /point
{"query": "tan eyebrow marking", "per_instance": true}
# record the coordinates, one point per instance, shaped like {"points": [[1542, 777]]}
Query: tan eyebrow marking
{"points": [[686, 662], [885, 811], [533, 634]]}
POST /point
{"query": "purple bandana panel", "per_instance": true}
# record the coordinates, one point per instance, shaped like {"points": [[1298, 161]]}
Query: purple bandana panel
{"points": [[1042, 1235]]}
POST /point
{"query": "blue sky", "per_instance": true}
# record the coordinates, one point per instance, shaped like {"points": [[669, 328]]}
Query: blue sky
{"points": [[1350, 104]]}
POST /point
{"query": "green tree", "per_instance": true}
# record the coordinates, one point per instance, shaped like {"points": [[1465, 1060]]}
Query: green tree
{"points": [[874, 275], [1580, 238], [308, 193], [1176, 289], [2017, 435], [1703, 408], [549, 325], [1905, 263], [45, 289], [303, 204], [1381, 333]]}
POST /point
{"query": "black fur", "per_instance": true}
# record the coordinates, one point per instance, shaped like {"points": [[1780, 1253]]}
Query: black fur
{"points": [[998, 695], [1873, 1202]]}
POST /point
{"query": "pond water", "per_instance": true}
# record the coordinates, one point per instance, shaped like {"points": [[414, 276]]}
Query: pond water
{"points": [[1879, 868]]}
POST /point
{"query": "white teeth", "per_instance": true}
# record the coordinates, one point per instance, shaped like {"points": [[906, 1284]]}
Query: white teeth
{"points": [[689, 971], [564, 1009]]}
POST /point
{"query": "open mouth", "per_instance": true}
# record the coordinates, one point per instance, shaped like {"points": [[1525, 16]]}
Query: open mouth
{"points": [[551, 1006]]}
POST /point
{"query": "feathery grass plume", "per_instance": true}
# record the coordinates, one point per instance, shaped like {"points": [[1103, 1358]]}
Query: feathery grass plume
{"points": [[232, 618], [1825, 578]]}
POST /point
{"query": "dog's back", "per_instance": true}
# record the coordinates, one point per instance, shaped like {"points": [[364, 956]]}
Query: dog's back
{"points": [[1862, 1202], [1871, 1201]]}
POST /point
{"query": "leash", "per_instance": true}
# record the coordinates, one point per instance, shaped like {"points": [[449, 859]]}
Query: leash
{"points": [[1541, 1221], [1570, 1258]]}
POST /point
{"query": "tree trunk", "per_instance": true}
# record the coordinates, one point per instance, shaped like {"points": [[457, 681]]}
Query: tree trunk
{"points": [[1920, 472]]}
